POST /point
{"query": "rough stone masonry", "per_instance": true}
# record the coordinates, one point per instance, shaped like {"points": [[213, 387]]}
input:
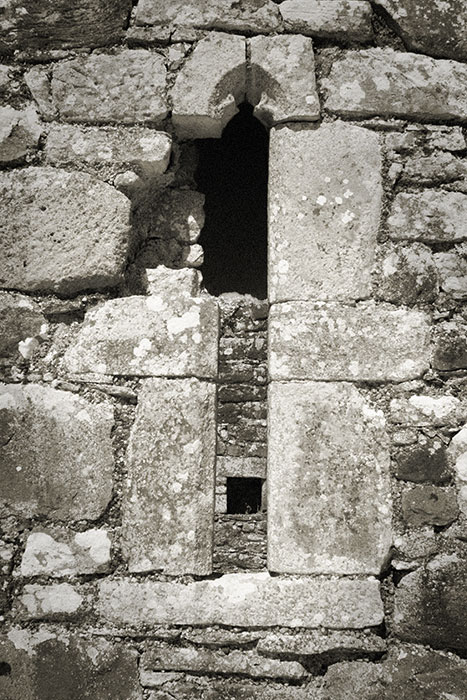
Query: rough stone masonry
{"points": [[131, 399]]}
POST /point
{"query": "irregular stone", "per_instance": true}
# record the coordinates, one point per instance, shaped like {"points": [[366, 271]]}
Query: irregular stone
{"points": [[163, 281], [64, 231], [39, 602], [431, 216], [57, 460], [37, 79], [175, 336], [6, 557], [450, 350], [173, 214], [332, 342], [20, 319], [430, 604], [126, 87], [250, 16], [210, 688], [86, 23], [329, 504], [244, 467], [324, 188], [192, 256], [428, 410], [452, 270], [247, 663], [426, 461], [45, 663], [457, 452], [428, 137], [331, 19], [20, 132], [168, 505], [407, 275], [244, 600], [435, 28], [218, 638], [59, 552], [281, 79], [416, 544], [387, 83], [327, 645], [209, 86], [433, 168], [429, 505], [143, 149]]}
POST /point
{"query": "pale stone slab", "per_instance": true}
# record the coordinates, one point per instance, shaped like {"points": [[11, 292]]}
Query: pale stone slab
{"points": [[61, 231], [457, 452], [168, 505], [176, 335], [60, 552], [57, 599], [452, 270], [163, 280], [363, 343], [245, 467], [388, 83], [127, 87], [325, 198], [334, 19], [57, 460], [428, 410], [321, 643], [244, 600], [209, 85], [281, 81], [20, 132], [431, 216], [329, 495]]}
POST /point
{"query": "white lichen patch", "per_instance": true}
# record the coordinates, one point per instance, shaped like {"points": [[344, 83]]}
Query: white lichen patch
{"points": [[179, 324], [96, 543]]}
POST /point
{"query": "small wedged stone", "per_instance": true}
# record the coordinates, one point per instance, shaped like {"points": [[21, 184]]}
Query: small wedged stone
{"points": [[425, 461], [330, 19], [407, 275], [37, 80], [429, 505], [421, 410], [60, 552], [457, 452], [62, 231], [57, 459], [329, 644], [218, 638], [434, 168], [387, 83], [450, 346], [56, 600], [173, 214], [163, 280], [20, 319], [20, 132], [432, 216], [452, 270], [208, 87]]}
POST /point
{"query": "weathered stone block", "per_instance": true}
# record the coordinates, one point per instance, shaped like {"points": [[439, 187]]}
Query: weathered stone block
{"points": [[457, 452], [281, 80], [175, 336], [56, 460], [450, 351], [428, 410], [37, 80], [426, 461], [128, 87], [60, 552], [407, 275], [332, 342], [388, 83], [325, 199], [334, 19], [62, 231], [168, 505], [429, 505], [20, 132], [244, 600], [173, 214], [209, 85], [209, 688], [20, 319], [56, 600], [329, 504], [245, 467], [434, 168], [431, 216], [452, 270], [163, 280], [326, 644], [6, 557]]}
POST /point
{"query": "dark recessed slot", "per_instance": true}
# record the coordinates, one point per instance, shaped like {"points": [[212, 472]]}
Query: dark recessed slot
{"points": [[243, 495], [5, 668]]}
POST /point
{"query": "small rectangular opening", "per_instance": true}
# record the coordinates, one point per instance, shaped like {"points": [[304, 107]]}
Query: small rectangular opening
{"points": [[243, 495]]}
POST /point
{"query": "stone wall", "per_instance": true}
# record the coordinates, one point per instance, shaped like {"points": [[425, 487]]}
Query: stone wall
{"points": [[130, 395]]}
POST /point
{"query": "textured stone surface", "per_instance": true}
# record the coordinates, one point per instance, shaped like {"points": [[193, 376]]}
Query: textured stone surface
{"points": [[37, 80], [163, 280], [245, 467], [57, 459], [173, 214], [331, 342], [61, 231], [208, 86], [169, 503], [244, 600], [175, 336], [429, 505], [281, 80], [335, 19], [143, 149], [20, 132], [452, 270], [321, 644], [457, 452], [389, 83], [450, 350], [325, 198], [218, 638], [48, 664], [38, 602], [428, 410], [59, 552], [429, 216], [426, 461], [210, 688], [20, 318], [431, 604], [329, 505], [128, 87], [407, 275], [434, 168]]}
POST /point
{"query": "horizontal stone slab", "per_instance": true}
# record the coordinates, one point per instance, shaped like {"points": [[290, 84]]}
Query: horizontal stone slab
{"points": [[345, 343], [244, 467], [243, 600], [431, 216], [317, 643], [333, 19], [428, 410], [387, 83], [56, 600]]}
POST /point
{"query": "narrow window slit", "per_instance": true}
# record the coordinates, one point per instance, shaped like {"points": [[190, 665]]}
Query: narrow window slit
{"points": [[244, 495]]}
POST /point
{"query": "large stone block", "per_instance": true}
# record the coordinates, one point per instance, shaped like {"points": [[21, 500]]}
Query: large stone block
{"points": [[210, 84], [281, 79], [175, 336], [62, 231], [329, 503], [20, 132], [56, 459], [394, 84], [364, 343], [333, 19], [126, 87], [325, 197], [168, 506], [431, 216], [244, 600]]}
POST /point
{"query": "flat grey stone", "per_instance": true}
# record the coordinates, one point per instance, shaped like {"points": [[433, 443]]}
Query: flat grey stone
{"points": [[62, 231], [316, 643], [61, 552], [331, 19], [211, 688], [56, 600], [424, 410], [20, 318], [20, 131], [432, 216], [452, 270], [457, 452], [329, 495], [406, 274], [244, 467], [325, 201], [363, 343], [429, 505], [168, 504], [57, 459]]}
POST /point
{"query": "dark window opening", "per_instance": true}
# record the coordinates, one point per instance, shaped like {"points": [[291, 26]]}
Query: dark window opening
{"points": [[232, 173], [243, 495], [5, 668]]}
